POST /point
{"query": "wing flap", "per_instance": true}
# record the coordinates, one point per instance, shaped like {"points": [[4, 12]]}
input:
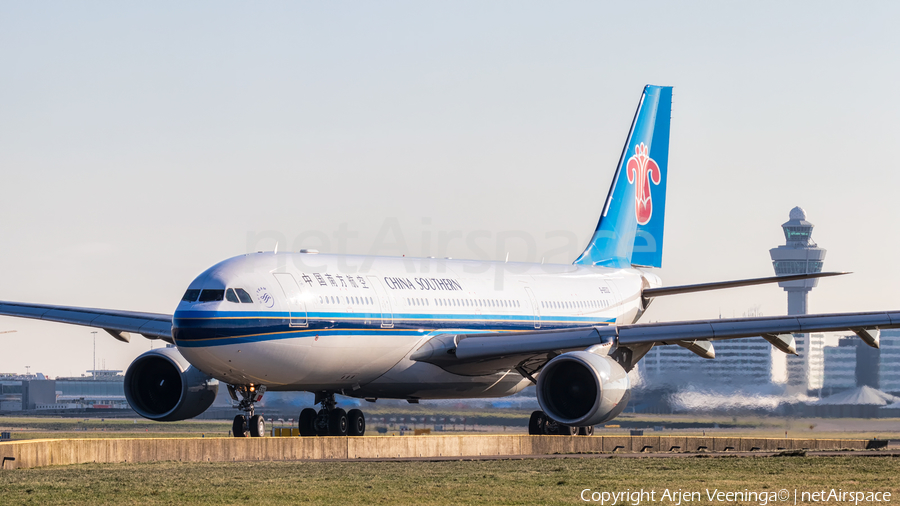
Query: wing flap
{"points": [[494, 345], [476, 354], [148, 324], [734, 328]]}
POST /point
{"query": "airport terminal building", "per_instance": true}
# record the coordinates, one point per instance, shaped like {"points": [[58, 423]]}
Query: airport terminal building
{"points": [[100, 390]]}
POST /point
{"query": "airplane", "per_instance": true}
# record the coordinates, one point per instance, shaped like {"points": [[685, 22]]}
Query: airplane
{"points": [[374, 327]]}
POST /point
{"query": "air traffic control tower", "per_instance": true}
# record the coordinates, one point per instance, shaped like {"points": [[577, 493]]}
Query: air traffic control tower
{"points": [[800, 255]]}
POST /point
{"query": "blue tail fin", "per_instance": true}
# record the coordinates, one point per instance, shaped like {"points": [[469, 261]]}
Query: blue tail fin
{"points": [[630, 231]]}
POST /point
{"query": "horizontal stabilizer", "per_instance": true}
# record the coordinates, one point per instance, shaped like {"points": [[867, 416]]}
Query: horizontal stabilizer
{"points": [[702, 287]]}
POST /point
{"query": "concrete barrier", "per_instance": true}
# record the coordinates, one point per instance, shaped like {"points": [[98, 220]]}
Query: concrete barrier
{"points": [[47, 452], [673, 443]]}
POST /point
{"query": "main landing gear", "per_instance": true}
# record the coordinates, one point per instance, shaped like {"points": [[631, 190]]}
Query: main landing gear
{"points": [[541, 425], [331, 420], [248, 424]]}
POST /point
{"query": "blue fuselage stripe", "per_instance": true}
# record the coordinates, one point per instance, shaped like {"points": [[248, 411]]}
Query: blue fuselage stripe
{"points": [[216, 328]]}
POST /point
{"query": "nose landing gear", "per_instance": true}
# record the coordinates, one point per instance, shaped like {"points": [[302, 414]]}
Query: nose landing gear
{"points": [[331, 420], [248, 424]]}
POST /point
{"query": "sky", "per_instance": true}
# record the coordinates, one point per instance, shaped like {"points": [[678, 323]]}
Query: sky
{"points": [[142, 143]]}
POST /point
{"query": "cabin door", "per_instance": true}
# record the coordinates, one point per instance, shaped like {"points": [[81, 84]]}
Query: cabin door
{"points": [[535, 308], [296, 304], [384, 303]]}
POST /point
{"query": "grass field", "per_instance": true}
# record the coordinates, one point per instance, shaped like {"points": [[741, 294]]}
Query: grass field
{"points": [[818, 428], [57, 428], [545, 481]]}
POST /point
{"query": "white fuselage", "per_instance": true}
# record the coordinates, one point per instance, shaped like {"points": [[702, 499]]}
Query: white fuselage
{"points": [[348, 324]]}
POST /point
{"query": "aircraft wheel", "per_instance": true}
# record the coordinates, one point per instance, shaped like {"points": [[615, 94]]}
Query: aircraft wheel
{"points": [[337, 422], [566, 430], [321, 422], [239, 426], [586, 431], [257, 426], [537, 424], [356, 423], [308, 422]]}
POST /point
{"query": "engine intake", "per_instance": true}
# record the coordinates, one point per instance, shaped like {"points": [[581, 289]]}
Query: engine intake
{"points": [[581, 388], [163, 386]]}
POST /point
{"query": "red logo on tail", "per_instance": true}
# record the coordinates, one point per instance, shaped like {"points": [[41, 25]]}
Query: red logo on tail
{"points": [[641, 169]]}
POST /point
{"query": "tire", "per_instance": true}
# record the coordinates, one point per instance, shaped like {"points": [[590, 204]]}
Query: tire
{"points": [[586, 431], [257, 426], [566, 430], [356, 423], [238, 427], [308, 422], [537, 424], [337, 422], [321, 422]]}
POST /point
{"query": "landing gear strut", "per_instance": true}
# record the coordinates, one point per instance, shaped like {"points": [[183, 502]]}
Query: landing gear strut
{"points": [[248, 424], [541, 425], [331, 420]]}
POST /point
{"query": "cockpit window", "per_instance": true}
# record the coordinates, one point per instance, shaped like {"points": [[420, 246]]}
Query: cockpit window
{"points": [[230, 296], [208, 295], [243, 295], [190, 295]]}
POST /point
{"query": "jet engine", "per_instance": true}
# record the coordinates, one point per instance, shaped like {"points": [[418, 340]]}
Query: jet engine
{"points": [[163, 386], [581, 388]]}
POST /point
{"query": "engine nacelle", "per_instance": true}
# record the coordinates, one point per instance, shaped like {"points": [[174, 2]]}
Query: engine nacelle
{"points": [[581, 388], [163, 386]]}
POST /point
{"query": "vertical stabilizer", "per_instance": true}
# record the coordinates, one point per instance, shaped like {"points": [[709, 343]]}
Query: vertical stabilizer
{"points": [[630, 230]]}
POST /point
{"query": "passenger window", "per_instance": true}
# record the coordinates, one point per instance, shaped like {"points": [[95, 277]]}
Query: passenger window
{"points": [[190, 295], [212, 295], [230, 296]]}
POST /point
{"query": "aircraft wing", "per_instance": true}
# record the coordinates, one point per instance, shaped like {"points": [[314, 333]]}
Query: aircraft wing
{"points": [[486, 353], [117, 323]]}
